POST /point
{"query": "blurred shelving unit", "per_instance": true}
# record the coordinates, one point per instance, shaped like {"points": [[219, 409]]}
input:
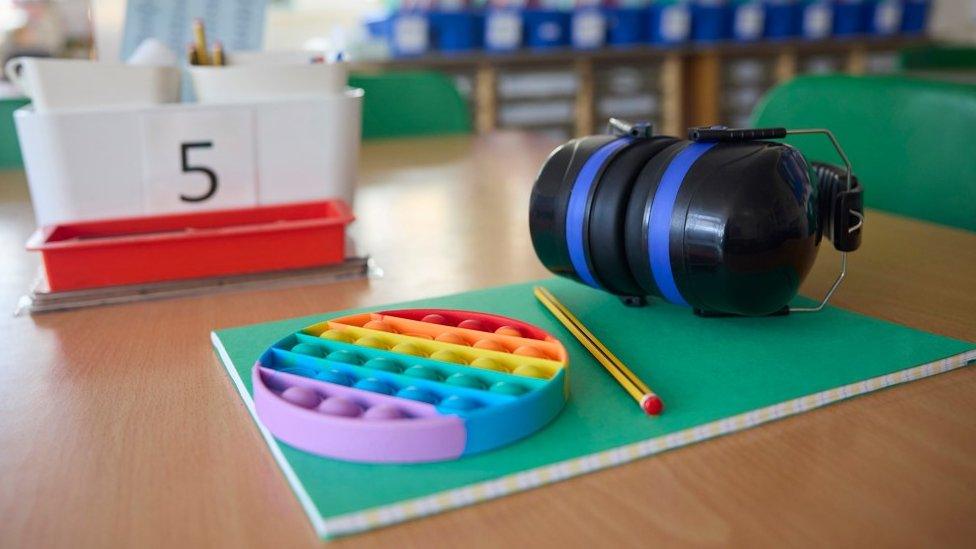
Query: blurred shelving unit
{"points": [[568, 92]]}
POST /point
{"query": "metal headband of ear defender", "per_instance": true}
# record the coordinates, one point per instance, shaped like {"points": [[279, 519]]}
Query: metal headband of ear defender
{"points": [[720, 133]]}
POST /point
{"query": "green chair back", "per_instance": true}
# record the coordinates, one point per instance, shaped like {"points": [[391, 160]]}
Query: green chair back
{"points": [[9, 146], [912, 142], [936, 57], [402, 104]]}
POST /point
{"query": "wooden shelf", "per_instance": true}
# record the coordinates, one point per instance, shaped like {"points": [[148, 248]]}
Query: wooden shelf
{"points": [[688, 80]]}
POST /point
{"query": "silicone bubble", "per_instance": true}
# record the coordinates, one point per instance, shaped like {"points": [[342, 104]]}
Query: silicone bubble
{"points": [[465, 380], [372, 343], [384, 411], [489, 345], [308, 349], [301, 396], [380, 325], [472, 324], [384, 364], [435, 319], [455, 402], [529, 350], [530, 370], [416, 393], [408, 349], [447, 356], [347, 357], [424, 372], [338, 406], [489, 364], [335, 376], [337, 335], [451, 337], [508, 331], [507, 388], [374, 385]]}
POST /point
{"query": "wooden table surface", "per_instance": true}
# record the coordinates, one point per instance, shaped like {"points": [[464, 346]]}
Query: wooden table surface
{"points": [[118, 426]]}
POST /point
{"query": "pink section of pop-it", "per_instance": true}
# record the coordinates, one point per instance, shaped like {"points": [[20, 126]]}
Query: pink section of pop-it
{"points": [[424, 435]]}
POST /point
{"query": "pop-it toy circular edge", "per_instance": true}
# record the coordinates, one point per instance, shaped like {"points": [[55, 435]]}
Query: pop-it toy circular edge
{"points": [[410, 385]]}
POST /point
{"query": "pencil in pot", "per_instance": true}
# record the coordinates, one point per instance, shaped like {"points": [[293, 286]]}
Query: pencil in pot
{"points": [[200, 41], [648, 400]]}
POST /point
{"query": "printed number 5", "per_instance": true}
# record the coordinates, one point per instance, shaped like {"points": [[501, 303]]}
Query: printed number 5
{"points": [[187, 168]]}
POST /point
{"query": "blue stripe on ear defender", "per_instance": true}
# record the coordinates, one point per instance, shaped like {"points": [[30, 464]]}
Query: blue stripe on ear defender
{"points": [[576, 211], [659, 222]]}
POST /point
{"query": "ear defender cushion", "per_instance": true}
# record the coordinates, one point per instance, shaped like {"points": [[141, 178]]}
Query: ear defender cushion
{"points": [[637, 216], [834, 205], [606, 211], [550, 198]]}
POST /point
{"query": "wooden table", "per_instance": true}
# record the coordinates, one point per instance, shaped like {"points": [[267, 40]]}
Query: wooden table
{"points": [[119, 427]]}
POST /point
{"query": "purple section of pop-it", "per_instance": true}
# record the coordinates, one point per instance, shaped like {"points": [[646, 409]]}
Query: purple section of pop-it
{"points": [[338, 406], [300, 396], [420, 434], [384, 411]]}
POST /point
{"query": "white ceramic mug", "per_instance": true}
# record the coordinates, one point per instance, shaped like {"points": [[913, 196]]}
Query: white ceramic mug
{"points": [[260, 81], [75, 84]]}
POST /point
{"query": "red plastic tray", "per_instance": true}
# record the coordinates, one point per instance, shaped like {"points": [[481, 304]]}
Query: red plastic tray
{"points": [[136, 250]]}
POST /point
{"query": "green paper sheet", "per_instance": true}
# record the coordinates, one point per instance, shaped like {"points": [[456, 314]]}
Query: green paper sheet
{"points": [[710, 373]]}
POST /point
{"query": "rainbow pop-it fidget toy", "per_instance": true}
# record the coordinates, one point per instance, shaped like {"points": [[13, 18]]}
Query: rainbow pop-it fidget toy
{"points": [[410, 385]]}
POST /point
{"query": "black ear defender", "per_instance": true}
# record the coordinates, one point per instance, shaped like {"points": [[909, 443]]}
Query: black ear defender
{"points": [[727, 222]]}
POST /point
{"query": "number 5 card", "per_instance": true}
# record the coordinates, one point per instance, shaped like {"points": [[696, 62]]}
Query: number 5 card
{"points": [[202, 160]]}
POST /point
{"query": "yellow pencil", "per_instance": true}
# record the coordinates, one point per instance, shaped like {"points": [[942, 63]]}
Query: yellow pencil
{"points": [[218, 54], [200, 38], [648, 400]]}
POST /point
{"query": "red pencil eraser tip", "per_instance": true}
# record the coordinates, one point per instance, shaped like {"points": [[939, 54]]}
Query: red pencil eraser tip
{"points": [[652, 405]]}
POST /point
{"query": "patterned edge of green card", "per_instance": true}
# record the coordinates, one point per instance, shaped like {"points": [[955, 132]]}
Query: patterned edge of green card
{"points": [[386, 515]]}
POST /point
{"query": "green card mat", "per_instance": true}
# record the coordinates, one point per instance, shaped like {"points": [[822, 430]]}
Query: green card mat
{"points": [[716, 376]]}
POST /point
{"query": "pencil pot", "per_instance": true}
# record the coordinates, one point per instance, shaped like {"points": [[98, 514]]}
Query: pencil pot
{"points": [[546, 28], [815, 18], [848, 17], [57, 85], [456, 31], [781, 19], [186, 158], [503, 30], [726, 227], [914, 16], [709, 20], [882, 17], [668, 22], [626, 26], [588, 28], [747, 20]]}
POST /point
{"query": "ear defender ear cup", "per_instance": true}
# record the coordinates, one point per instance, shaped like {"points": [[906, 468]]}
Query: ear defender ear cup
{"points": [[606, 211], [697, 233], [636, 217], [750, 226], [549, 202]]}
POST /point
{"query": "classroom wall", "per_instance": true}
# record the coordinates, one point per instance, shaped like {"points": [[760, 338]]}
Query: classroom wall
{"points": [[954, 20]]}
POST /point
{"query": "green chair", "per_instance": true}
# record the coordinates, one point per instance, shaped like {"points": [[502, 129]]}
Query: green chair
{"points": [[938, 58], [402, 104], [912, 142], [9, 146]]}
